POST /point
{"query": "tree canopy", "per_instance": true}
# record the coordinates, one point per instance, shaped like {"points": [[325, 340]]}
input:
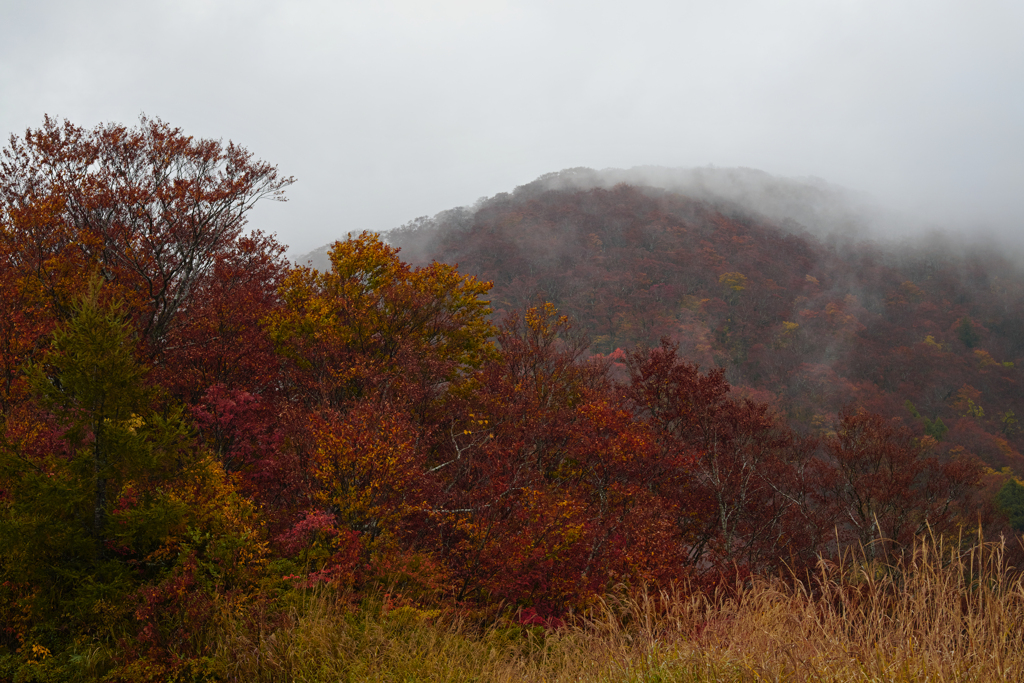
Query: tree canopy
{"points": [[612, 389]]}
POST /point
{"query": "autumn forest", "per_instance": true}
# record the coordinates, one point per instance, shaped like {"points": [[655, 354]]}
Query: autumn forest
{"points": [[508, 414]]}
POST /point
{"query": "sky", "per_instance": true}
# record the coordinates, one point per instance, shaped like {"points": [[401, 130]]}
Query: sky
{"points": [[392, 109]]}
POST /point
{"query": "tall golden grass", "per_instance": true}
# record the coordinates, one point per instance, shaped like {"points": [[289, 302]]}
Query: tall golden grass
{"points": [[938, 613]]}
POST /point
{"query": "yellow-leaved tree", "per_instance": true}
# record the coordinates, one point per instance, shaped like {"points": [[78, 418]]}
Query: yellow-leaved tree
{"points": [[375, 325], [374, 349]]}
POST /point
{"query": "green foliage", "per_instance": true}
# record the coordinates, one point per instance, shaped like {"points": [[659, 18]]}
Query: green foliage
{"points": [[93, 386], [1009, 423], [936, 429], [973, 409], [912, 409], [966, 332], [87, 501], [1010, 500]]}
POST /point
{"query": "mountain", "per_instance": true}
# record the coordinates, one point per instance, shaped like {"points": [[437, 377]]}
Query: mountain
{"points": [[801, 205], [790, 285], [771, 279]]}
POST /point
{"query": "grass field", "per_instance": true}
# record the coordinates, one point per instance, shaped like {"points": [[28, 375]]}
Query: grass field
{"points": [[937, 614]]}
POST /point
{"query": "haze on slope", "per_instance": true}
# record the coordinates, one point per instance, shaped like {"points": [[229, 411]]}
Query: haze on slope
{"points": [[801, 205]]}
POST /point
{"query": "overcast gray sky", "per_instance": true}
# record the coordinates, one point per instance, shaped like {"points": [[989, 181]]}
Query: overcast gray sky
{"points": [[389, 110]]}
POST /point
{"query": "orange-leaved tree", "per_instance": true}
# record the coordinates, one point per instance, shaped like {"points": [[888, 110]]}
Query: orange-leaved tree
{"points": [[371, 349], [150, 208], [375, 325], [540, 476]]}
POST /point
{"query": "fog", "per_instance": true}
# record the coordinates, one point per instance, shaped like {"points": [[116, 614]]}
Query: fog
{"points": [[395, 109]]}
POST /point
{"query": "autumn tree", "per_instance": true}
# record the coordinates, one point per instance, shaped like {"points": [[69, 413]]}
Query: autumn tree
{"points": [[371, 349], [543, 482], [375, 324], [150, 208], [105, 492], [221, 340], [884, 486], [734, 473], [501, 517]]}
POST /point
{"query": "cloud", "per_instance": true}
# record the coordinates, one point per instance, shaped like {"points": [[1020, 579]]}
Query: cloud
{"points": [[390, 110]]}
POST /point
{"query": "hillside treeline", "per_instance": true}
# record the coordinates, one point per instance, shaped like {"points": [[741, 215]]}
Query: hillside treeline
{"points": [[194, 430], [929, 333]]}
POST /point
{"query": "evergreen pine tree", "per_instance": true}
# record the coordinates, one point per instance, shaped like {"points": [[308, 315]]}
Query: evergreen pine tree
{"points": [[100, 448]]}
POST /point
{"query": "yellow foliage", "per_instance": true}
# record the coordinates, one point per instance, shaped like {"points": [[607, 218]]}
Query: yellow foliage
{"points": [[788, 334], [737, 282], [372, 307], [367, 469], [985, 359], [39, 653], [214, 504]]}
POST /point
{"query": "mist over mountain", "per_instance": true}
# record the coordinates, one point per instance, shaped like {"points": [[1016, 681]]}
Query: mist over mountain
{"points": [[806, 293], [808, 205], [798, 204]]}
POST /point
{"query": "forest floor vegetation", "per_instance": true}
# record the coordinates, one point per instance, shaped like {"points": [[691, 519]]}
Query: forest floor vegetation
{"points": [[936, 614]]}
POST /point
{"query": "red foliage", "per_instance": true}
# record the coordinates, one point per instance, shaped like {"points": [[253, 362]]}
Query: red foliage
{"points": [[221, 341], [731, 470], [819, 327], [245, 431], [390, 433], [882, 486], [151, 209]]}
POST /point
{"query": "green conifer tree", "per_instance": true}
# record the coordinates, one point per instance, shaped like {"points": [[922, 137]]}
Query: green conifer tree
{"points": [[101, 448]]}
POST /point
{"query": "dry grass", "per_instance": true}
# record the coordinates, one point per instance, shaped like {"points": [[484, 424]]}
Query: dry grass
{"points": [[937, 615]]}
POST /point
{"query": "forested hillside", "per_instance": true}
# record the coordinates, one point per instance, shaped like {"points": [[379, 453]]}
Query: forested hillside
{"points": [[810, 319], [615, 387]]}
